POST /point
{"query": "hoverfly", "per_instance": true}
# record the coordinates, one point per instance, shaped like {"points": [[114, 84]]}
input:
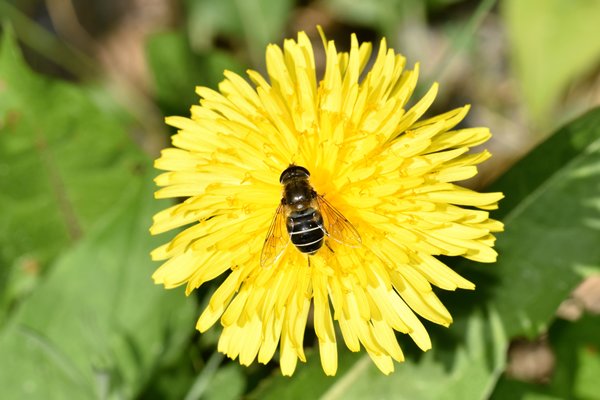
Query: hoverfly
{"points": [[304, 217]]}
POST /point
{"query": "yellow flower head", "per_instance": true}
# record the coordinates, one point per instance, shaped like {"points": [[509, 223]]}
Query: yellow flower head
{"points": [[384, 176]]}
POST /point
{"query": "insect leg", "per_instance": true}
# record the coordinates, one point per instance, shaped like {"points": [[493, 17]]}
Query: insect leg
{"points": [[329, 247]]}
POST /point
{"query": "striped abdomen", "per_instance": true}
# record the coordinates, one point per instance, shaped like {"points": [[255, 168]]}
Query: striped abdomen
{"points": [[305, 231]]}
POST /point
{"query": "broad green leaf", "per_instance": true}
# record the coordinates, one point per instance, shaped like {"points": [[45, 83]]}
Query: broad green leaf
{"points": [[228, 383], [97, 327], [177, 70], [74, 183], [64, 162], [466, 369], [552, 222], [553, 42]]}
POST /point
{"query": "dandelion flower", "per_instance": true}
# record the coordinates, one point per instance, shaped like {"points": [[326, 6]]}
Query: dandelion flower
{"points": [[371, 156]]}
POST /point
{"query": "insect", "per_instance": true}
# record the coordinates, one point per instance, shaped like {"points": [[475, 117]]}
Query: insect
{"points": [[305, 218]]}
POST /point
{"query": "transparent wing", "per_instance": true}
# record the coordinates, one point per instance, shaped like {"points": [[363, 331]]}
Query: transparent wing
{"points": [[336, 226], [277, 239]]}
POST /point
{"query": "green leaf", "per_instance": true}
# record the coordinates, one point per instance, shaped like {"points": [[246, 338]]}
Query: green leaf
{"points": [[228, 383], [75, 188], [97, 327], [177, 70], [552, 222], [465, 369], [553, 42], [64, 163]]}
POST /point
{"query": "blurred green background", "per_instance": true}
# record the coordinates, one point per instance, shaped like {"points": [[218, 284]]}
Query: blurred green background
{"points": [[84, 88]]}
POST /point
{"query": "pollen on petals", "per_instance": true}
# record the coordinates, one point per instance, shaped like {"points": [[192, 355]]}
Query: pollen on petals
{"points": [[387, 176]]}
